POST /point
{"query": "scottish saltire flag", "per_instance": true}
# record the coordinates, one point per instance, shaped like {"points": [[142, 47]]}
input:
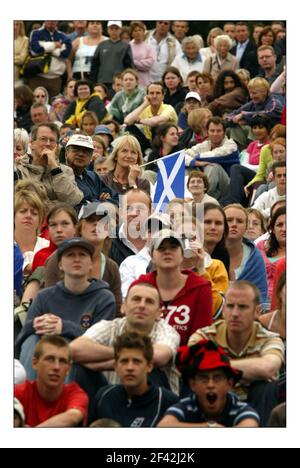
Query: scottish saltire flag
{"points": [[170, 180]]}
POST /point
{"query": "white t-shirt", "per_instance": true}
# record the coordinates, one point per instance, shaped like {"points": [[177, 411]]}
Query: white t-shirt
{"points": [[41, 243], [133, 267]]}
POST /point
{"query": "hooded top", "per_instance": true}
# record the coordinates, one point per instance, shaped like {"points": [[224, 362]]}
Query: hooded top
{"points": [[77, 311], [191, 308]]}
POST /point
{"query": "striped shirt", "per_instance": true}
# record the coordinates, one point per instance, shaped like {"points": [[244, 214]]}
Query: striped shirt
{"points": [[261, 343], [189, 410], [105, 333]]}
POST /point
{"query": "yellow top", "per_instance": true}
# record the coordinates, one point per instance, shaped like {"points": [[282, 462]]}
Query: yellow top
{"points": [[165, 109]]}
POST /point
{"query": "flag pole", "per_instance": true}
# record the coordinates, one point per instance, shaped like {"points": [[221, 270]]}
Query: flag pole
{"points": [[159, 159]]}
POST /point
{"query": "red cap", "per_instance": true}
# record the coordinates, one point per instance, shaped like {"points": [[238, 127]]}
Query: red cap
{"points": [[204, 356]]}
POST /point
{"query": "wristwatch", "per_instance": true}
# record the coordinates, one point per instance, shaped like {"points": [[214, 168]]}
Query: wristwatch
{"points": [[56, 171]]}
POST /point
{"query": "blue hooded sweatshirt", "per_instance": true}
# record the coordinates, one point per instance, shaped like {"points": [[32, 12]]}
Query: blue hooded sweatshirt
{"points": [[255, 271], [77, 311]]}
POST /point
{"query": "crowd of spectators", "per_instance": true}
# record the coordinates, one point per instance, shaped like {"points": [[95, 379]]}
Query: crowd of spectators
{"points": [[125, 316]]}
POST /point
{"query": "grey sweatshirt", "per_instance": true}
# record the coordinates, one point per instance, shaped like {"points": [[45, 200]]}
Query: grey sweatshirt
{"points": [[110, 58]]}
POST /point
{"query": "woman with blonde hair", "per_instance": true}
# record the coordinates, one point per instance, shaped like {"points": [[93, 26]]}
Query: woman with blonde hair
{"points": [[21, 42], [88, 123], [29, 217], [256, 225], [21, 140], [208, 52], [197, 127], [100, 149], [124, 166], [262, 103], [244, 75], [246, 261]]}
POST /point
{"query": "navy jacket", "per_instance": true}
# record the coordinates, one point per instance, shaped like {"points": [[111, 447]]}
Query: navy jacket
{"points": [[141, 411], [43, 34], [92, 187], [272, 108], [249, 58], [189, 411], [119, 251]]}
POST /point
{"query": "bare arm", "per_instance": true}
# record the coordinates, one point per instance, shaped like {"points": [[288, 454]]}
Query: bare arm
{"points": [[248, 423], [70, 418], [263, 368], [84, 350], [162, 355], [31, 291], [131, 118], [155, 121], [101, 366]]}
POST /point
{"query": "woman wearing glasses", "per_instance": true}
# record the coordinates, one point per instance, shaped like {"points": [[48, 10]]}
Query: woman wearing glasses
{"points": [[41, 96]]}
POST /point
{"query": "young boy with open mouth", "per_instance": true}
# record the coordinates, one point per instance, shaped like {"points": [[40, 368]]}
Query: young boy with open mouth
{"points": [[206, 369]]}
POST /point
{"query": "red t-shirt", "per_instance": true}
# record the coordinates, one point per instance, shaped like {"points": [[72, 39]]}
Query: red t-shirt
{"points": [[280, 268], [41, 256], [38, 411], [191, 309]]}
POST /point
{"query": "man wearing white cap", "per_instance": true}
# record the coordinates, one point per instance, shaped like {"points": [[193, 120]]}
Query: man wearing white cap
{"points": [[79, 151], [111, 57]]}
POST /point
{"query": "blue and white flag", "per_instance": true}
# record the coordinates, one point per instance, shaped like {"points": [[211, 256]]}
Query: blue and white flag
{"points": [[170, 180]]}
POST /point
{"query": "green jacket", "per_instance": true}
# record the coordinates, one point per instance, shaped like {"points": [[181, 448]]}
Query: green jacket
{"points": [[264, 161], [122, 103]]}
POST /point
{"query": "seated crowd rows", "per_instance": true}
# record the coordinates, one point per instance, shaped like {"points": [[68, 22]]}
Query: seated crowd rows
{"points": [[126, 316]]}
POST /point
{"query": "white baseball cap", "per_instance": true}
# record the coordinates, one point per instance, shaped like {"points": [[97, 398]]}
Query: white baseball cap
{"points": [[81, 140], [163, 235], [193, 95], [114, 23]]}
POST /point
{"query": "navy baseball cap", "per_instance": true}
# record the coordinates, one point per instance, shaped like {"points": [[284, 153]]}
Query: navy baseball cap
{"points": [[103, 130], [75, 242]]}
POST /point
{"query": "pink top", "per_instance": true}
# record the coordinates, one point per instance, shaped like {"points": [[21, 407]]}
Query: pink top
{"points": [[254, 151], [144, 56], [270, 266]]}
